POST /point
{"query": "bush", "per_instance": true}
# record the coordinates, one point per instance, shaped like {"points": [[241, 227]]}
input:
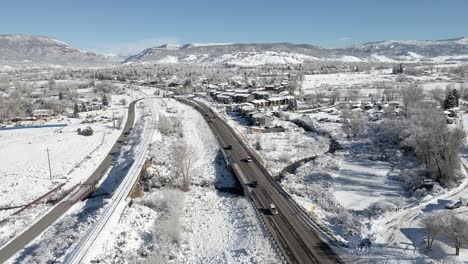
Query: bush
{"points": [[347, 221], [284, 157], [384, 206]]}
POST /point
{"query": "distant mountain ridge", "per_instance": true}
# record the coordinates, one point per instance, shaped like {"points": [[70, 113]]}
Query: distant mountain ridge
{"points": [[264, 53], [40, 49]]}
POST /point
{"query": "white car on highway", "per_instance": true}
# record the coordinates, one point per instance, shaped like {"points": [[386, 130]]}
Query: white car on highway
{"points": [[273, 209]]}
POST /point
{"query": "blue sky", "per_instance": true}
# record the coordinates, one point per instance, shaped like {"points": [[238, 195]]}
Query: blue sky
{"points": [[130, 26]]}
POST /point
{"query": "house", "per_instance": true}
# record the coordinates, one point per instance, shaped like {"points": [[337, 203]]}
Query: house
{"points": [[261, 95], [277, 101], [224, 99], [260, 119], [42, 113], [246, 109], [260, 103], [367, 105], [243, 97]]}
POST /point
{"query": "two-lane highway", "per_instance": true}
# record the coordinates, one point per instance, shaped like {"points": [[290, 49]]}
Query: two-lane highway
{"points": [[297, 239], [86, 188]]}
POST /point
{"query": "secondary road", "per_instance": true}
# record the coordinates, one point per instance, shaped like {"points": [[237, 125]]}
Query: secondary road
{"points": [[296, 237], [117, 204], [86, 188]]}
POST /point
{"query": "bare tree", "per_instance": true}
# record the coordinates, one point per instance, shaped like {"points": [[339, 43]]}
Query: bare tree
{"points": [[354, 123], [412, 96], [438, 94], [119, 119], [455, 228], [292, 85], [183, 158], [51, 84], [433, 226], [434, 143]]}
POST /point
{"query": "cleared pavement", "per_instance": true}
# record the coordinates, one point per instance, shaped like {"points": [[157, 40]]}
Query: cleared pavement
{"points": [[297, 239], [83, 190]]}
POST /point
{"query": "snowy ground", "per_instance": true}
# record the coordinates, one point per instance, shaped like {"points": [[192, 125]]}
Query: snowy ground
{"points": [[24, 168], [405, 236], [59, 239], [311, 82], [368, 82], [358, 184], [278, 149], [202, 225]]}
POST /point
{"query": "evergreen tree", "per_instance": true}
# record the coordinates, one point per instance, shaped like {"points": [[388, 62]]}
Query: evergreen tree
{"points": [[60, 95], [83, 107], [457, 96], [104, 100], [450, 101], [76, 110]]}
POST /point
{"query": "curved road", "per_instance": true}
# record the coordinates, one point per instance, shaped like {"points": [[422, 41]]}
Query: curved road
{"points": [[85, 189], [297, 239]]}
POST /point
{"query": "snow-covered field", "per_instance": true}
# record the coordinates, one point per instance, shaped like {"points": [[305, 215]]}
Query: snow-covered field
{"points": [[345, 79], [24, 170], [61, 237], [359, 184], [373, 81], [202, 225]]}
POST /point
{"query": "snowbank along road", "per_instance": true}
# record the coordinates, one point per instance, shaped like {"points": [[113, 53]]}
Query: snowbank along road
{"points": [[119, 199], [295, 236], [17, 244]]}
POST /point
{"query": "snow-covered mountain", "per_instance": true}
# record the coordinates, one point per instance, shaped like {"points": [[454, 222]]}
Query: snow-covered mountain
{"points": [[38, 49], [45, 50], [286, 53], [414, 48]]}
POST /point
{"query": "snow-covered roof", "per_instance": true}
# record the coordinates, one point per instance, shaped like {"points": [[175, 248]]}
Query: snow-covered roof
{"points": [[242, 95]]}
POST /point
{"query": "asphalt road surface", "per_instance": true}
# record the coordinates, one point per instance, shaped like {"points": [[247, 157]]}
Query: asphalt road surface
{"points": [[298, 241], [18, 243]]}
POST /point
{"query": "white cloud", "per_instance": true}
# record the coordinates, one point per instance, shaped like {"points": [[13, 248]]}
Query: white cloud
{"points": [[132, 47], [345, 39]]}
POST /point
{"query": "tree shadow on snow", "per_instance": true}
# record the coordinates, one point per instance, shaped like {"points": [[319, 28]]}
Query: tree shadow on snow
{"points": [[441, 203]]}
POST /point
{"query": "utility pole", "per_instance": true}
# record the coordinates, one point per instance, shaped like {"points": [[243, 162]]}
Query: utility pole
{"points": [[48, 158], [113, 117]]}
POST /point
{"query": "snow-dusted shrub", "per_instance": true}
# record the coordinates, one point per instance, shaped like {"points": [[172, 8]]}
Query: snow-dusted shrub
{"points": [[420, 193], [155, 258], [348, 221], [153, 201], [412, 179], [175, 200], [309, 125], [380, 207], [165, 125], [392, 131], [166, 234], [384, 206], [284, 157], [436, 188]]}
